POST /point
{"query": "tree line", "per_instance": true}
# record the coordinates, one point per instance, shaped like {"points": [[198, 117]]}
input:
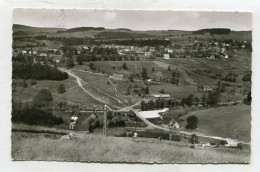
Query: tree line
{"points": [[37, 71]]}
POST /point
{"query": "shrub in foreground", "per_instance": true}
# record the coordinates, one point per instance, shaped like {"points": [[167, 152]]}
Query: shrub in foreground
{"points": [[35, 117]]}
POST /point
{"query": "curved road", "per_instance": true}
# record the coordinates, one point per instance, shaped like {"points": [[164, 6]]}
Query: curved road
{"points": [[151, 125]]}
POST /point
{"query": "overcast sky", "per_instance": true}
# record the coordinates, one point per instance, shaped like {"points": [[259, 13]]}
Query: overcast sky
{"points": [[135, 20]]}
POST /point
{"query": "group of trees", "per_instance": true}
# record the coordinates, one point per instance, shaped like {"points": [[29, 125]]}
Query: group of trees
{"points": [[175, 79], [211, 99], [37, 71], [158, 104], [93, 124], [139, 42], [36, 117], [144, 74], [40, 112], [116, 123], [99, 54], [230, 77], [43, 100], [247, 77], [192, 122], [213, 31]]}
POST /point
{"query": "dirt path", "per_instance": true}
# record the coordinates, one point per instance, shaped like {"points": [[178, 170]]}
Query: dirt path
{"points": [[100, 74], [116, 92], [81, 83], [119, 99]]}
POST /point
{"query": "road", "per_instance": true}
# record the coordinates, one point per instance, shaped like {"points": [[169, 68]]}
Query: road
{"points": [[150, 125]]}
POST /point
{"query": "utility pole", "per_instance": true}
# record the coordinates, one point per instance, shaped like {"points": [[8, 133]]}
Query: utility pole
{"points": [[170, 134], [105, 121]]}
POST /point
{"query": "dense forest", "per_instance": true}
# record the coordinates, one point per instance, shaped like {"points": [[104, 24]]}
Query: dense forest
{"points": [[213, 31], [129, 42], [37, 71]]}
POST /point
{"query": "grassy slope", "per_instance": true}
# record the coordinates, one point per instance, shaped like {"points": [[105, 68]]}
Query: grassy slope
{"points": [[113, 149], [28, 93], [230, 121]]}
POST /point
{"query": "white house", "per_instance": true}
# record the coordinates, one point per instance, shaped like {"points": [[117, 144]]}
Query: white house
{"points": [[166, 56], [147, 54], [118, 76], [170, 51], [161, 96]]}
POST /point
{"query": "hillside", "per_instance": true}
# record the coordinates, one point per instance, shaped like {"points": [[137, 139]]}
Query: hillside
{"points": [[122, 33], [230, 121], [28, 29], [106, 149]]}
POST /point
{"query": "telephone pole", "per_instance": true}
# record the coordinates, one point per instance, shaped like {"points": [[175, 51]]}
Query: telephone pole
{"points": [[105, 121]]}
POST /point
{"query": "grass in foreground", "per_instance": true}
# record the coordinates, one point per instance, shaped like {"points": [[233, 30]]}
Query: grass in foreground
{"points": [[94, 148]]}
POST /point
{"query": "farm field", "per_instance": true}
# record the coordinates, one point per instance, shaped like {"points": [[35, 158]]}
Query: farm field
{"points": [[230, 121], [95, 148]]}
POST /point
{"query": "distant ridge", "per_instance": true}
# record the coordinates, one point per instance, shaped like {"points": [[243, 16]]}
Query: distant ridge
{"points": [[81, 29], [213, 31], [19, 27], [123, 29]]}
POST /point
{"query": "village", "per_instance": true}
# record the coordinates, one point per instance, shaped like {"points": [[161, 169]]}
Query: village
{"points": [[141, 88]]}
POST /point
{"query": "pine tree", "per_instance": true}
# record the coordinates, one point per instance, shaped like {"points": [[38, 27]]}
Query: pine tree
{"points": [[146, 90]]}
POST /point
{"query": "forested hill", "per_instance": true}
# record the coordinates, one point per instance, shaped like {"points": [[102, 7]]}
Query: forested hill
{"points": [[213, 31], [81, 29]]}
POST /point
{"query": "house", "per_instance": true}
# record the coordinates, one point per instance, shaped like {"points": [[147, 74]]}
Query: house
{"points": [[24, 52], [159, 74], [147, 54], [174, 124], [118, 76], [161, 96], [170, 51], [43, 54], [58, 59], [166, 56], [152, 49], [212, 57], [149, 80], [207, 89]]}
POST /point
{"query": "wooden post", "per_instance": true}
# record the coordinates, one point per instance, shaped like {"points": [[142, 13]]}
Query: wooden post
{"points": [[170, 134], [105, 121]]}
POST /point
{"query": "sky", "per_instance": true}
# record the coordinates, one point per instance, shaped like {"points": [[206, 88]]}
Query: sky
{"points": [[131, 19]]}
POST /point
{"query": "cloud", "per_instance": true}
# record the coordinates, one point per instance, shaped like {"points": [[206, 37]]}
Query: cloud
{"points": [[110, 16]]}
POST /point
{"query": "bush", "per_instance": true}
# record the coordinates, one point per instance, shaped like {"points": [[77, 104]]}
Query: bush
{"points": [[61, 89], [24, 84], [192, 122], [33, 82], [90, 128], [247, 77], [42, 99], [194, 139], [36, 117]]}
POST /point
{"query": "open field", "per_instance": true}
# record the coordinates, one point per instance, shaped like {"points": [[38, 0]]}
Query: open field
{"points": [[22, 94], [228, 121], [94, 148]]}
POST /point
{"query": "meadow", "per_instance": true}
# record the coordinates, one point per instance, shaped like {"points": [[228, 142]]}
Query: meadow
{"points": [[96, 148], [226, 121]]}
